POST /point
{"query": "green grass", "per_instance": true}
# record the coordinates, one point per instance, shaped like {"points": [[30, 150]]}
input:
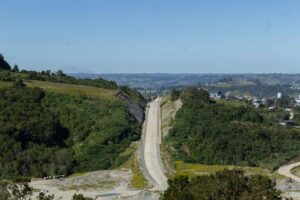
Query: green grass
{"points": [[100, 185], [70, 89], [191, 170], [296, 171], [4, 84], [75, 90], [138, 181]]}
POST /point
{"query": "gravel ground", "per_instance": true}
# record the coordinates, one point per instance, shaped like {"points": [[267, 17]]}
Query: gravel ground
{"points": [[100, 185]]}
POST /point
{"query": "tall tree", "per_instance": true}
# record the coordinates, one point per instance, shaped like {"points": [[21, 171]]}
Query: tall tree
{"points": [[15, 68], [3, 64]]}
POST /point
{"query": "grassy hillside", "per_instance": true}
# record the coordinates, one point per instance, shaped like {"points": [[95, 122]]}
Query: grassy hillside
{"points": [[207, 132], [70, 89], [50, 128], [75, 90]]}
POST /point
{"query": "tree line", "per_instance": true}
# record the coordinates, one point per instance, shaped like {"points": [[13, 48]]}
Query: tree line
{"points": [[227, 185], [215, 133]]}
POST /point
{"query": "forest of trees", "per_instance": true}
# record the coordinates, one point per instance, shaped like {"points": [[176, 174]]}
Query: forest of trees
{"points": [[214, 133], [227, 185], [46, 133]]}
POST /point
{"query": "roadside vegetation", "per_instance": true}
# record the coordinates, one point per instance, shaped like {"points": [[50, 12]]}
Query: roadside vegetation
{"points": [[193, 170], [227, 184], [138, 180], [169, 106], [53, 124], [296, 171], [211, 133]]}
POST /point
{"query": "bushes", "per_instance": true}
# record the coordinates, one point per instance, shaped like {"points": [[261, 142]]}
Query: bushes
{"points": [[46, 133], [228, 184], [210, 133], [3, 64]]}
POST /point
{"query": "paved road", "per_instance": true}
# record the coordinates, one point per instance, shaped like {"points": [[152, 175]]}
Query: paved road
{"points": [[151, 159], [286, 171]]}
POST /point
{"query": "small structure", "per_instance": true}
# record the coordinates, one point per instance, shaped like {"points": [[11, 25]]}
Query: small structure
{"points": [[257, 103], [279, 95], [218, 95], [271, 108], [288, 109]]}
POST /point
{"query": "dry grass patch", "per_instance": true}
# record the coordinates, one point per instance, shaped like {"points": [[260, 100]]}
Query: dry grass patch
{"points": [[190, 169], [75, 90]]}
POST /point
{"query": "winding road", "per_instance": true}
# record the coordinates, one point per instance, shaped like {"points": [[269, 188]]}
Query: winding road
{"points": [[151, 163], [286, 171]]}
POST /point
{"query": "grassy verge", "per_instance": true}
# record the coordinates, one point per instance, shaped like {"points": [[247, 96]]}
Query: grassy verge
{"points": [[100, 185], [75, 90], [168, 111], [190, 169], [138, 181], [296, 171], [4, 84]]}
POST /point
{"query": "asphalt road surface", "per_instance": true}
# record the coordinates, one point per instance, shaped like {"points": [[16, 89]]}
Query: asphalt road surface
{"points": [[151, 159]]}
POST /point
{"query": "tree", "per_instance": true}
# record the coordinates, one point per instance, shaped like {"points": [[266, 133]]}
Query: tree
{"points": [[175, 94], [15, 68], [285, 101], [227, 185], [19, 83], [60, 73], [80, 197], [48, 72], [15, 190], [43, 196], [3, 64]]}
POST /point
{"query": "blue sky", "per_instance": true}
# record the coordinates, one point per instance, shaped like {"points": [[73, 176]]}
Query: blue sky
{"points": [[141, 36]]}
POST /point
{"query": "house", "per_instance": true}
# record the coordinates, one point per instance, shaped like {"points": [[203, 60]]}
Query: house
{"points": [[218, 95], [257, 103]]}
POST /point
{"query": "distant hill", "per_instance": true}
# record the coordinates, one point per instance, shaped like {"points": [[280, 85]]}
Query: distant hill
{"points": [[161, 80]]}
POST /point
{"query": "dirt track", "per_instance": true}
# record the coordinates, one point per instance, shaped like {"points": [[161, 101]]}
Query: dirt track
{"points": [[286, 171]]}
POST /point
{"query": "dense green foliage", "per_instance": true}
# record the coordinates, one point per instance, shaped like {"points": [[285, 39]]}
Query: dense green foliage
{"points": [[3, 64], [47, 133], [175, 94], [31, 139], [214, 133], [227, 185], [99, 129], [80, 197]]}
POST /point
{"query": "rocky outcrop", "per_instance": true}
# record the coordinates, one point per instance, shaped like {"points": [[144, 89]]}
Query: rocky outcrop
{"points": [[134, 108]]}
